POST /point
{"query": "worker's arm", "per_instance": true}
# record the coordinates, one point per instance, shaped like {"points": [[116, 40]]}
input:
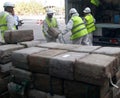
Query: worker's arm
{"points": [[84, 20], [58, 24], [45, 29], [10, 22], [94, 20], [69, 26]]}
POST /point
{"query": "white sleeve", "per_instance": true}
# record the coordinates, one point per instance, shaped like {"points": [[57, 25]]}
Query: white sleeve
{"points": [[45, 29], [10, 22], [69, 26], [58, 24]]}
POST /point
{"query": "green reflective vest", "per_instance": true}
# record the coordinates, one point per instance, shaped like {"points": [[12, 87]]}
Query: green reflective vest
{"points": [[90, 25], [3, 23], [52, 23], [79, 28]]}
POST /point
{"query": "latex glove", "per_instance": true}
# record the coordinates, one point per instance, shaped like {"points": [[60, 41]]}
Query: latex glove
{"points": [[61, 38]]}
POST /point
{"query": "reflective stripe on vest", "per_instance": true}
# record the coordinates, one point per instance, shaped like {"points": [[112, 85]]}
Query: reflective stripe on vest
{"points": [[79, 28], [90, 23], [3, 23], [52, 23]]}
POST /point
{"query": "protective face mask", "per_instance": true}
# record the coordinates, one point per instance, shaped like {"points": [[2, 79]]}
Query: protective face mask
{"points": [[50, 15]]}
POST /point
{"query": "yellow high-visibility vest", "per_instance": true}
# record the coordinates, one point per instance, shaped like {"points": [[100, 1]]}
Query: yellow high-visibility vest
{"points": [[3, 24], [79, 28], [90, 23], [52, 23]]}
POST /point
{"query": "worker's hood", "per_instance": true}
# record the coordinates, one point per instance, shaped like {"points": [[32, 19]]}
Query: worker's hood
{"points": [[75, 14]]}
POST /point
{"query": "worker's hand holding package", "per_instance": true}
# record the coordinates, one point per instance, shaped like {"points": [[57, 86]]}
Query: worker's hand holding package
{"points": [[48, 35], [62, 33], [54, 32], [61, 38]]}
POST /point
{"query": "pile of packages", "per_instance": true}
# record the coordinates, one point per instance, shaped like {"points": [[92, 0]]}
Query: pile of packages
{"points": [[14, 40], [55, 70]]}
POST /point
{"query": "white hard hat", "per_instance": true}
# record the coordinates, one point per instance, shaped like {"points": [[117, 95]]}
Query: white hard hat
{"points": [[49, 11], [87, 10], [72, 10], [6, 4]]}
